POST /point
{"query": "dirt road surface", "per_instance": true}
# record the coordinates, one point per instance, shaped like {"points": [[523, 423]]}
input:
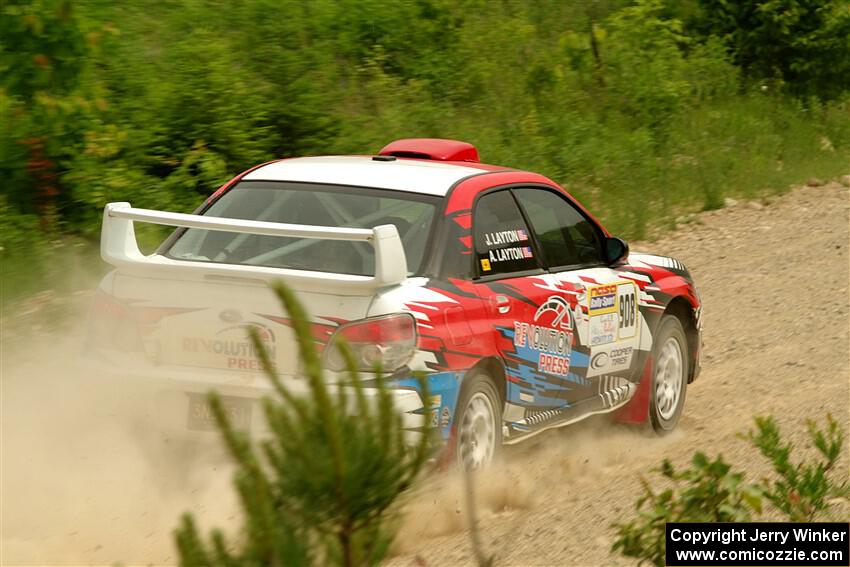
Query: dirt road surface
{"points": [[774, 283], [77, 488]]}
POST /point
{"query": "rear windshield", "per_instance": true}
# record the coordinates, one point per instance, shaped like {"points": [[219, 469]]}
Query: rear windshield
{"points": [[310, 204]]}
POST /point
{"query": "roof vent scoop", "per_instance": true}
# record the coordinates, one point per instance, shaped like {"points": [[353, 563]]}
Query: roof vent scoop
{"points": [[431, 148]]}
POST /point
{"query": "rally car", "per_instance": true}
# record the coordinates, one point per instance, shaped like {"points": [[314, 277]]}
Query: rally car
{"points": [[520, 307]]}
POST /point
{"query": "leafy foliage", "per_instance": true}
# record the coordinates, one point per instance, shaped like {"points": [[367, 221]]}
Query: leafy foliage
{"points": [[800, 490], [323, 488], [805, 44], [644, 109], [709, 491]]}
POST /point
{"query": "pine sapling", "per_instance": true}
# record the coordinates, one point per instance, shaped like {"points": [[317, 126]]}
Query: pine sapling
{"points": [[325, 486]]}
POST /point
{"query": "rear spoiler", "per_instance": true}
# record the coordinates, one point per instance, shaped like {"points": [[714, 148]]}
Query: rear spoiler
{"points": [[118, 247]]}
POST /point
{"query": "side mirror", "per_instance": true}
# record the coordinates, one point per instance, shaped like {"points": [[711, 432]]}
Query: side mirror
{"points": [[616, 250]]}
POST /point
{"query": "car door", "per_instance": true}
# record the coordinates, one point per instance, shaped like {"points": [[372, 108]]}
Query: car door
{"points": [[607, 323], [531, 326]]}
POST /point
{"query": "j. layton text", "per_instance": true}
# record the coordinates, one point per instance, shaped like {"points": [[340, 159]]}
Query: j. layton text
{"points": [[756, 534]]}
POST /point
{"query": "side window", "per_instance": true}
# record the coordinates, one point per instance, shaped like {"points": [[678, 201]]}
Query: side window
{"points": [[502, 243], [565, 235]]}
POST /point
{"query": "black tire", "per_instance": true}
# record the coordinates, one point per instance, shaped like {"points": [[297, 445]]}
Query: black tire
{"points": [[669, 378], [477, 395]]}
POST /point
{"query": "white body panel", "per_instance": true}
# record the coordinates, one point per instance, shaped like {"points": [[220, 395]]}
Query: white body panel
{"points": [[415, 176]]}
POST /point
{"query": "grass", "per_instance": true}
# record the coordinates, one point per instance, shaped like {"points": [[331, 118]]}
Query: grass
{"points": [[748, 148], [744, 147]]}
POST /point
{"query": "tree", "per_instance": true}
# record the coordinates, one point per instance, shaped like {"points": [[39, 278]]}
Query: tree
{"points": [[323, 488], [803, 43], [43, 53]]}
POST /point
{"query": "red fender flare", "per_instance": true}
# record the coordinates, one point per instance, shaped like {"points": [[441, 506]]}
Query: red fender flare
{"points": [[637, 410]]}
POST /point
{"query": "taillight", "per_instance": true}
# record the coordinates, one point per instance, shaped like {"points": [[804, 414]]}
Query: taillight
{"points": [[112, 325], [386, 342]]}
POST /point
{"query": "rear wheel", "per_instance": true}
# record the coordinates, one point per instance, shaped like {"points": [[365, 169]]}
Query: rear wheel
{"points": [[479, 431], [669, 374]]}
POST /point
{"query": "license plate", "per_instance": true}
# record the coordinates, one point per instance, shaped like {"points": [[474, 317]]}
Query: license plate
{"points": [[201, 416]]}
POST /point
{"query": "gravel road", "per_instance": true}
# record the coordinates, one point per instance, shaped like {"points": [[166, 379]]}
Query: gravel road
{"points": [[774, 281]]}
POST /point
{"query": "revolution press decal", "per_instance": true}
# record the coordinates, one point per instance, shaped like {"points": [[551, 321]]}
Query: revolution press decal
{"points": [[231, 348], [551, 334]]}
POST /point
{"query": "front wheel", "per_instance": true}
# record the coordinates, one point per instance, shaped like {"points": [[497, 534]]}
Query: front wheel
{"points": [[479, 432], [669, 374]]}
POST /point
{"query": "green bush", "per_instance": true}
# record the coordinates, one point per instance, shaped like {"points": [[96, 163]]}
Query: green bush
{"points": [[803, 44], [709, 490], [800, 490], [323, 489], [644, 109]]}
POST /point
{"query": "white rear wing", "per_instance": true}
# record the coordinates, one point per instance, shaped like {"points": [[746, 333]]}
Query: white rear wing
{"points": [[118, 247]]}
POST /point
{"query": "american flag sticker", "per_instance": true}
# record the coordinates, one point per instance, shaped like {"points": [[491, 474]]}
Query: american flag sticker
{"points": [[521, 234], [526, 252]]}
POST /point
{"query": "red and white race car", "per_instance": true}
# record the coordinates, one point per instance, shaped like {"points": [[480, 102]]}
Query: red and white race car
{"points": [[525, 313]]}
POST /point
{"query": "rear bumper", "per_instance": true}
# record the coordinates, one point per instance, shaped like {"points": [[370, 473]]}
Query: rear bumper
{"points": [[172, 396]]}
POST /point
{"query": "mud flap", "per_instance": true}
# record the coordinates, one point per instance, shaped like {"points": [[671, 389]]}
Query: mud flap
{"points": [[446, 456], [637, 410]]}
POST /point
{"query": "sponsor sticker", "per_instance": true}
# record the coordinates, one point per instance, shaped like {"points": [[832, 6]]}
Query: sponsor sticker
{"points": [[230, 348], [621, 358], [550, 364], [613, 312], [599, 361], [485, 264], [433, 408], [550, 334], [445, 417], [602, 299], [603, 329], [611, 360]]}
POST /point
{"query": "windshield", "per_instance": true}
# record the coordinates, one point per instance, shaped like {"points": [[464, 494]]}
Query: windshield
{"points": [[309, 204]]}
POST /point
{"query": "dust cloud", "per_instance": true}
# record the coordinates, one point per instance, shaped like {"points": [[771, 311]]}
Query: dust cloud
{"points": [[525, 478], [87, 479]]}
